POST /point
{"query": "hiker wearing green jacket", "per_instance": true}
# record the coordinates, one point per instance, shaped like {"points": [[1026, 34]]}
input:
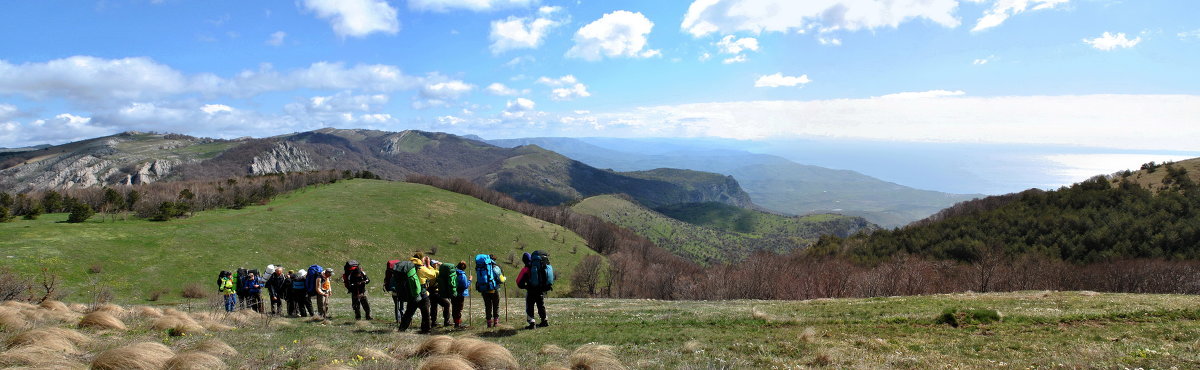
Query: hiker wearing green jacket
{"points": [[228, 289]]}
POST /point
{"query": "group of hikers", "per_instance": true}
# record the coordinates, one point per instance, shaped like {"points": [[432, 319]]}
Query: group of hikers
{"points": [[418, 283]]}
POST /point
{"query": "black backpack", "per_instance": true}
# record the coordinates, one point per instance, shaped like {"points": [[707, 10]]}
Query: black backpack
{"points": [[241, 281], [222, 275]]}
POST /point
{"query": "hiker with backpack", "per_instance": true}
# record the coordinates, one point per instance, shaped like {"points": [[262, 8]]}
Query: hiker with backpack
{"points": [[462, 289], [537, 278], [356, 282], [277, 290], [239, 279], [389, 286], [324, 290], [488, 278], [299, 293], [408, 287], [427, 275], [226, 287], [442, 288], [253, 291]]}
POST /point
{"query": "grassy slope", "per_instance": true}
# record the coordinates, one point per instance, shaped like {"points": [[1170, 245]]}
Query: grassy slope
{"points": [[371, 221], [1039, 330], [1153, 180], [712, 232]]}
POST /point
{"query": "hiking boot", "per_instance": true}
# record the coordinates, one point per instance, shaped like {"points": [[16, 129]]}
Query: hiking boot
{"points": [[446, 324], [543, 324], [530, 326]]}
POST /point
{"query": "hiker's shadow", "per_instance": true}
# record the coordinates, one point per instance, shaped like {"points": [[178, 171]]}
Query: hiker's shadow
{"points": [[499, 333]]}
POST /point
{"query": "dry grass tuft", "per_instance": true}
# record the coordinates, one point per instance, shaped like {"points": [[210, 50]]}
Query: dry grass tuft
{"points": [[553, 367], [822, 359], [451, 362], [37, 357], [215, 347], [759, 314], [58, 339], [1088, 293], [463, 345], [435, 345], [177, 325], [59, 316], [55, 306], [19, 305], [373, 354], [79, 307], [101, 320], [147, 312], [692, 346], [594, 357], [488, 355], [215, 326], [144, 355], [112, 309], [808, 335], [12, 320], [553, 350], [195, 361]]}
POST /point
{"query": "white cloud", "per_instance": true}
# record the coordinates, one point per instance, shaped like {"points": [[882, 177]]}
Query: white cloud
{"points": [[566, 87], [983, 61], [732, 45], [779, 80], [276, 38], [924, 94], [518, 108], [1189, 35], [1109, 41], [618, 34], [441, 92], [729, 16], [216, 108], [356, 18], [7, 112], [1003, 9], [519, 33], [499, 89], [91, 79], [519, 61], [833, 41], [735, 59], [1135, 122], [472, 5]]}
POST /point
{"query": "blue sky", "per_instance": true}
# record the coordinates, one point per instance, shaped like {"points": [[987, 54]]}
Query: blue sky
{"points": [[1117, 75]]}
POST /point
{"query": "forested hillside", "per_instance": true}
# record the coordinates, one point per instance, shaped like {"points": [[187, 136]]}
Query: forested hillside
{"points": [[1101, 219]]}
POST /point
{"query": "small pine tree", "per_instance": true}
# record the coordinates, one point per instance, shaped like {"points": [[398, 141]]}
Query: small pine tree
{"points": [[80, 212], [131, 199], [33, 212], [5, 215], [52, 202], [6, 200]]}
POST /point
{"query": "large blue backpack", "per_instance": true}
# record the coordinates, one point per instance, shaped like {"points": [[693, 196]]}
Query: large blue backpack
{"points": [[541, 274], [310, 280], [485, 274]]}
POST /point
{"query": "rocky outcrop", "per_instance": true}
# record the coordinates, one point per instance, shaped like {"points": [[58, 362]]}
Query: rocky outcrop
{"points": [[284, 157], [149, 172]]}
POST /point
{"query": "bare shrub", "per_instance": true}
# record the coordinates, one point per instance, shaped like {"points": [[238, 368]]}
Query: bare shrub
{"points": [[193, 291], [155, 294], [95, 268], [144, 355], [13, 286]]}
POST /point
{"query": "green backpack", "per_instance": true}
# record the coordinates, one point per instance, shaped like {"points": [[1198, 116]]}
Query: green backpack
{"points": [[408, 284], [446, 282]]}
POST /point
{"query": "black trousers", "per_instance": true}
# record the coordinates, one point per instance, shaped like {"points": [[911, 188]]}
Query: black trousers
{"points": [[254, 302], [423, 306], [444, 304], [276, 304], [304, 306], [535, 298], [399, 306], [456, 305], [359, 300], [491, 305]]}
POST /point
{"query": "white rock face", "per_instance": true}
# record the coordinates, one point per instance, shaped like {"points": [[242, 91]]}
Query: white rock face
{"points": [[284, 157]]}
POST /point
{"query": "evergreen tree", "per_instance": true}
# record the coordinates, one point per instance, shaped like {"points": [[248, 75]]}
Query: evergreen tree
{"points": [[80, 212]]}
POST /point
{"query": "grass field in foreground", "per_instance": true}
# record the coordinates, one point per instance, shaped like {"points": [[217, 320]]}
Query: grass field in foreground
{"points": [[368, 220], [1039, 329]]}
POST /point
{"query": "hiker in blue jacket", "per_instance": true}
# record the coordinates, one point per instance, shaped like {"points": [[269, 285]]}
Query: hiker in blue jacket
{"points": [[253, 288], [463, 290], [299, 294]]}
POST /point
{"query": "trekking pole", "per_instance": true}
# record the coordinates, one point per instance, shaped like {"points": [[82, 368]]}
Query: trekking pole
{"points": [[506, 304], [470, 304]]}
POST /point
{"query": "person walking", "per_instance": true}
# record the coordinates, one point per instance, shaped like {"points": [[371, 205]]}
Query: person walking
{"points": [[356, 281], [389, 285], [427, 275], [324, 291], [537, 278], [441, 289], [299, 294], [226, 287], [488, 279], [412, 291], [277, 290], [253, 288], [462, 289]]}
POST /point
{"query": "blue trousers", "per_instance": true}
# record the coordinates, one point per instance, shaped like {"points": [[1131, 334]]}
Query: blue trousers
{"points": [[230, 302]]}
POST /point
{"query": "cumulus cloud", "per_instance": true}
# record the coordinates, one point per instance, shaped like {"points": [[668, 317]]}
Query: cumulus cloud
{"points": [[500, 89], [732, 45], [61, 128], [565, 87], [1001, 10], [618, 34], [729, 16], [216, 108], [924, 94], [472, 5], [7, 112], [1109, 41], [519, 108], [519, 33], [779, 80], [356, 18], [982, 61], [276, 38], [441, 91], [1189, 35]]}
